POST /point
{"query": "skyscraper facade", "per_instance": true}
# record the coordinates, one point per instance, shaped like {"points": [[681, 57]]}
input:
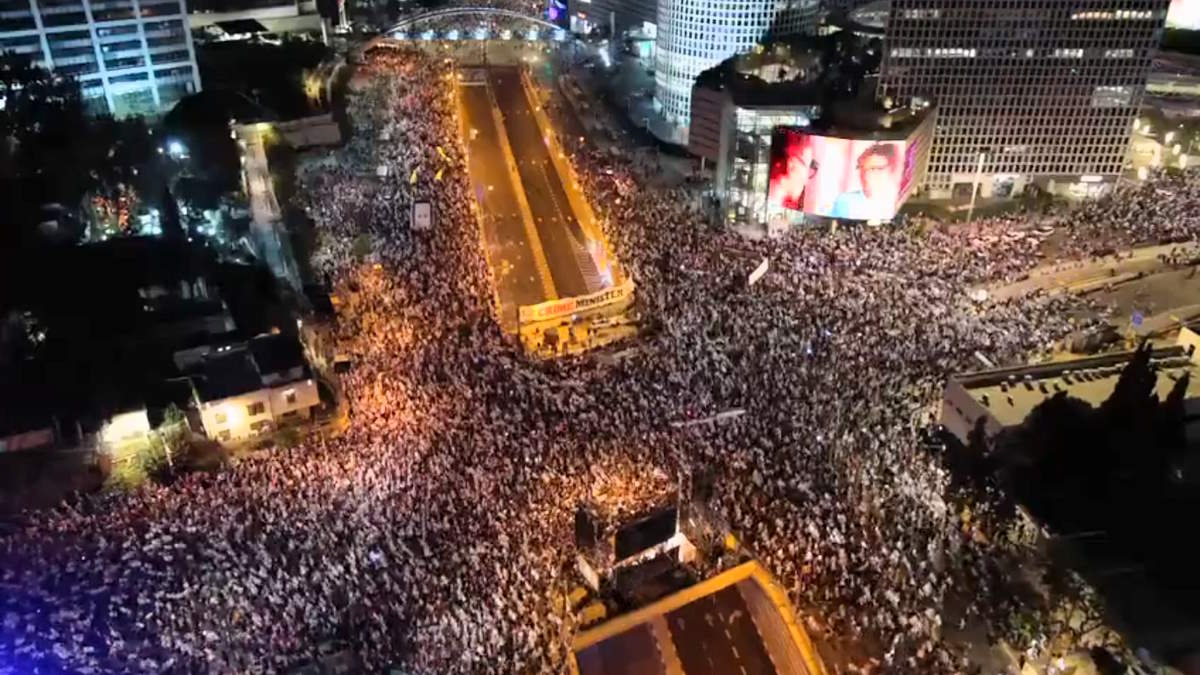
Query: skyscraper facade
{"points": [[1041, 91], [131, 57], [695, 35]]}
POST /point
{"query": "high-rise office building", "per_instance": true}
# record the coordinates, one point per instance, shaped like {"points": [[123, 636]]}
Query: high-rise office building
{"points": [[131, 57], [695, 35], [1042, 91]]}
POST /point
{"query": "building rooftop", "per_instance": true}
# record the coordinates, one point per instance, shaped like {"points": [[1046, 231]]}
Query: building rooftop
{"points": [[797, 71], [241, 27], [277, 353], [868, 19], [1010, 394], [739, 621], [227, 373], [115, 269], [833, 76]]}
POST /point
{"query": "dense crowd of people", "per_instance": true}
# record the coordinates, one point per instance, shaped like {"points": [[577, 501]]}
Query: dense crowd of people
{"points": [[435, 534]]}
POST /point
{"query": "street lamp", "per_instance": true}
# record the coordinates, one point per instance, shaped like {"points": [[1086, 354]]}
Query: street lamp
{"points": [[975, 184]]}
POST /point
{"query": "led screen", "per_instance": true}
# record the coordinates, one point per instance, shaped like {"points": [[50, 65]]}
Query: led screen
{"points": [[1184, 14], [850, 179]]}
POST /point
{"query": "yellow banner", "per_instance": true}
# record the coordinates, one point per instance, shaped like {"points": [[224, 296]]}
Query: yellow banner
{"points": [[554, 309]]}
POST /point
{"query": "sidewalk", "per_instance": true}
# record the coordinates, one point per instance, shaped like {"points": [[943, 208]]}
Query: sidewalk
{"points": [[1086, 276]]}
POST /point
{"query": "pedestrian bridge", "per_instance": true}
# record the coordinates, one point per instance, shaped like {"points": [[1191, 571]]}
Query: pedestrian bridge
{"points": [[473, 23]]}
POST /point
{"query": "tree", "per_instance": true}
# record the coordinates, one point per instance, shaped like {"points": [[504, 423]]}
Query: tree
{"points": [[1134, 392], [173, 436], [361, 248], [287, 438], [54, 153], [1171, 425], [1076, 611], [171, 226], [39, 127]]}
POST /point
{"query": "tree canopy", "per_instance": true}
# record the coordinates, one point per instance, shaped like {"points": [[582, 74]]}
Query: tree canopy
{"points": [[52, 152]]}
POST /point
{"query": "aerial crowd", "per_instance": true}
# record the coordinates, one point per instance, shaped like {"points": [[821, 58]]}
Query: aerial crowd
{"points": [[435, 534]]}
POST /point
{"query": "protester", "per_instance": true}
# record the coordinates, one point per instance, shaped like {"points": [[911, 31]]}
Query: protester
{"points": [[435, 534]]}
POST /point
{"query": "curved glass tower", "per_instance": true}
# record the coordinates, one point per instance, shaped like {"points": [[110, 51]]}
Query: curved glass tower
{"points": [[695, 35]]}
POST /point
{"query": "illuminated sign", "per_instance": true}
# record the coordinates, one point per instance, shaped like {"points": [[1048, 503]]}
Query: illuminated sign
{"points": [[851, 179], [422, 216], [554, 309]]}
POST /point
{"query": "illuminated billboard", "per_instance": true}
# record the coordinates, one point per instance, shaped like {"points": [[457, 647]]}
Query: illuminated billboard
{"points": [[849, 179], [1184, 14]]}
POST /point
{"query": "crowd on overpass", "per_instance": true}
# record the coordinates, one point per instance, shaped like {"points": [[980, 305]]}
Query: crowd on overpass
{"points": [[436, 533], [493, 27]]}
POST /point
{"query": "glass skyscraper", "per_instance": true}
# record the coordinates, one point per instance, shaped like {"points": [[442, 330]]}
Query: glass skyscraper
{"points": [[131, 57], [1028, 91]]}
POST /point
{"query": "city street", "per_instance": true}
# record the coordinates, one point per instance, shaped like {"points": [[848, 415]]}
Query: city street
{"points": [[509, 248], [266, 218], [559, 229], [796, 417]]}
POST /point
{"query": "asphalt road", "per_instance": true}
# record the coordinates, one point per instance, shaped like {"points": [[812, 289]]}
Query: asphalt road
{"points": [[556, 223], [504, 232]]}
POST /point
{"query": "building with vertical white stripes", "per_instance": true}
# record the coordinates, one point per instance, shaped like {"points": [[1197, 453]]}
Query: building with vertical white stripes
{"points": [[131, 57], [1041, 92]]}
